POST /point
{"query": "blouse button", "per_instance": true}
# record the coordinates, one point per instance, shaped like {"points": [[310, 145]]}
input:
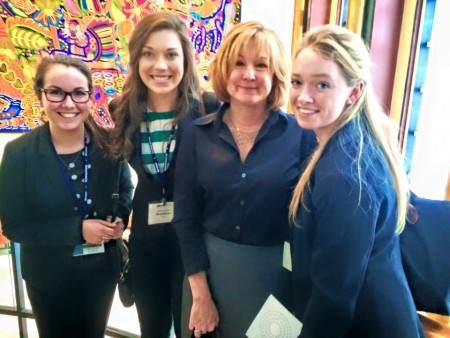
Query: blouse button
{"points": [[243, 175], [238, 227]]}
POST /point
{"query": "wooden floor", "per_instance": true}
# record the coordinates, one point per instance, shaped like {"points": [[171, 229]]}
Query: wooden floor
{"points": [[434, 325]]}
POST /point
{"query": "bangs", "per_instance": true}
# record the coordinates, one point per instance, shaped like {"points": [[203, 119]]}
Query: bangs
{"points": [[261, 46]]}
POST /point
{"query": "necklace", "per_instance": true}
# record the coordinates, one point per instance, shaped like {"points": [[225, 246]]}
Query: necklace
{"points": [[240, 137], [70, 160]]}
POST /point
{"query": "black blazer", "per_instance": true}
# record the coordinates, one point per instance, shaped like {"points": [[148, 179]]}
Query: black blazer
{"points": [[148, 189], [37, 209], [425, 247], [346, 264]]}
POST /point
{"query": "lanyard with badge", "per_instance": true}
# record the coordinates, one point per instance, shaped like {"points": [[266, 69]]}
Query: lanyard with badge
{"points": [[82, 204], [160, 212]]}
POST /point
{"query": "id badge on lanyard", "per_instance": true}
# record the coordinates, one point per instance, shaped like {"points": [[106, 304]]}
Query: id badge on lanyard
{"points": [[160, 212], [88, 249], [163, 211]]}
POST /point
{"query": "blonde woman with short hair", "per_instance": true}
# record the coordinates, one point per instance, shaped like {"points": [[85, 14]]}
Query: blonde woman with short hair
{"points": [[236, 170]]}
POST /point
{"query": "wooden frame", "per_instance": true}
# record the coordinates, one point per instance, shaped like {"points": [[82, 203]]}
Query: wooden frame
{"points": [[300, 17]]}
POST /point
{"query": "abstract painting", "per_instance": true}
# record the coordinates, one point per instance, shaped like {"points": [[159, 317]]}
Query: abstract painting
{"points": [[96, 31]]}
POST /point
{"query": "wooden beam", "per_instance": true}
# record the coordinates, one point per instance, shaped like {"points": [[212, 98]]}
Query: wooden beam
{"points": [[299, 22], [355, 15], [406, 66]]}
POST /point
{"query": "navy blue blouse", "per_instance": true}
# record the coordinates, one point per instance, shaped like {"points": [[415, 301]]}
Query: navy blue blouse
{"points": [[243, 202]]}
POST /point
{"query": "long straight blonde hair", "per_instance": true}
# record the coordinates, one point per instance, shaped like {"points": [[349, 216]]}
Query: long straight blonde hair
{"points": [[351, 55]]}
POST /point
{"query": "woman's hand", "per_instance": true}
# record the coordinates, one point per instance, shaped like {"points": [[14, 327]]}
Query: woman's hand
{"points": [[204, 316], [98, 231], [119, 227]]}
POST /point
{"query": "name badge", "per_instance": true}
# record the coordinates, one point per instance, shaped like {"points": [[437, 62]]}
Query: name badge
{"points": [[88, 249], [160, 213]]}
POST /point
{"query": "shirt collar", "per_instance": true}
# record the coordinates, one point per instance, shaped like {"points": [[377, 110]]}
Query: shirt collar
{"points": [[275, 117]]}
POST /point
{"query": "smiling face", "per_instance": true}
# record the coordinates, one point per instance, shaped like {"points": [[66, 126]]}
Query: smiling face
{"points": [[319, 92], [250, 80], [66, 115], [161, 65]]}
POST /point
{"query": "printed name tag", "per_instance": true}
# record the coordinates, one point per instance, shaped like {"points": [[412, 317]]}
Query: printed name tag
{"points": [[88, 249], [160, 213]]}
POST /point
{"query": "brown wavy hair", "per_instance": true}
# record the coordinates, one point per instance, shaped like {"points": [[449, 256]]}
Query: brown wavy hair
{"points": [[98, 134], [133, 99]]}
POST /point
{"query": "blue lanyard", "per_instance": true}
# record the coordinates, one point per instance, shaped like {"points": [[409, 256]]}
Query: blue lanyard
{"points": [[161, 176], [82, 205]]}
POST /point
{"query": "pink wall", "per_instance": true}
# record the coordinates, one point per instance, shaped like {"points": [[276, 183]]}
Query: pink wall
{"points": [[384, 46], [320, 12]]}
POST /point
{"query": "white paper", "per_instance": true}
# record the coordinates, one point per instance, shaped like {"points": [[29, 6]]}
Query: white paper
{"points": [[287, 261], [274, 321]]}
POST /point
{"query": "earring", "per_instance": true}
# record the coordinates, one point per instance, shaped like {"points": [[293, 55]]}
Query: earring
{"points": [[349, 101]]}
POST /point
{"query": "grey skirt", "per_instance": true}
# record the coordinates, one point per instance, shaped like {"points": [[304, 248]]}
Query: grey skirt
{"points": [[241, 278]]}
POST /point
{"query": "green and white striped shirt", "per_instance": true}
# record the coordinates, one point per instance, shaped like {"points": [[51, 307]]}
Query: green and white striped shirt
{"points": [[159, 124]]}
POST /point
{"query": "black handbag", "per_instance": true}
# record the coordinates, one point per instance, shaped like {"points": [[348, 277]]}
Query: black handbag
{"points": [[124, 285]]}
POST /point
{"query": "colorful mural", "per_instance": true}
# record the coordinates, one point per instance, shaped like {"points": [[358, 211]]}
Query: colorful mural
{"points": [[97, 31]]}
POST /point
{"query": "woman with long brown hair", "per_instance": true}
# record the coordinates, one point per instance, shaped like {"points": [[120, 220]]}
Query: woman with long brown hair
{"points": [[160, 97]]}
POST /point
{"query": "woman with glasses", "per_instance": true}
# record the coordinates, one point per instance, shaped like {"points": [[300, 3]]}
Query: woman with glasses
{"points": [[55, 200]]}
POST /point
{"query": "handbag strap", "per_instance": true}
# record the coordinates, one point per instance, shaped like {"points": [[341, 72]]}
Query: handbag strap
{"points": [[115, 195], [122, 248]]}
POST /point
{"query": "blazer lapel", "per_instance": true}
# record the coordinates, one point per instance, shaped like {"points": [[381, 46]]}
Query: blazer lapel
{"points": [[46, 158], [136, 157]]}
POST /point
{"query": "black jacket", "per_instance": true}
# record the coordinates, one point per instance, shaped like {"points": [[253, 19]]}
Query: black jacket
{"points": [[148, 189], [37, 209]]}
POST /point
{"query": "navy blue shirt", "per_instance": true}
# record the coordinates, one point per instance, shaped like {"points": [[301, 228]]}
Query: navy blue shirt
{"points": [[243, 202]]}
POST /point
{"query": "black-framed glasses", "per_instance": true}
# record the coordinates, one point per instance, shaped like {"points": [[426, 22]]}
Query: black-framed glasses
{"points": [[59, 95]]}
